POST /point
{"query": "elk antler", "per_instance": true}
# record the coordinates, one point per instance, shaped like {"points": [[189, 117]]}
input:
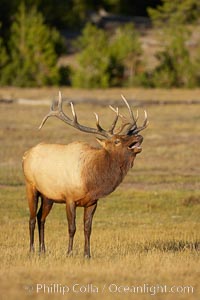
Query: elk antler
{"points": [[131, 125], [58, 112]]}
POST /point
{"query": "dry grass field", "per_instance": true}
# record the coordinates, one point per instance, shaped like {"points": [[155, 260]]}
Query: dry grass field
{"points": [[145, 240]]}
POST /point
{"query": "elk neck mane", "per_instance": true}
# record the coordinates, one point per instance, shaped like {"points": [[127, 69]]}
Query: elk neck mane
{"points": [[103, 170]]}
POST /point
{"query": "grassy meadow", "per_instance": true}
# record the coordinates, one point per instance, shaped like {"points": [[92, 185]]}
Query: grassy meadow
{"points": [[145, 234]]}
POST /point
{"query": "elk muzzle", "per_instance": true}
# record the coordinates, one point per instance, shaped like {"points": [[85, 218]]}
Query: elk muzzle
{"points": [[135, 145]]}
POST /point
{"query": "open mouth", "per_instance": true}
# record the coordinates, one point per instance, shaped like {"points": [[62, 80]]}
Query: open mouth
{"points": [[136, 146]]}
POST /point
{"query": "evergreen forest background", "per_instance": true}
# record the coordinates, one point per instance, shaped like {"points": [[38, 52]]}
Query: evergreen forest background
{"points": [[100, 44]]}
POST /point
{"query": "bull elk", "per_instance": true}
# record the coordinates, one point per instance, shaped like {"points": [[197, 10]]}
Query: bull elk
{"points": [[78, 174]]}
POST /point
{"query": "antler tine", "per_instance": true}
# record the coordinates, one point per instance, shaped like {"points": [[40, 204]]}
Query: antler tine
{"points": [[128, 106], [124, 120], [43, 122], [97, 123], [115, 110], [111, 130], [145, 118], [73, 112], [137, 116], [53, 111], [133, 125], [145, 124], [133, 129], [59, 101]]}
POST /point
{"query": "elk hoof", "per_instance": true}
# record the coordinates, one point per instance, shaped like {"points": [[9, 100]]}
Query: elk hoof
{"points": [[42, 249], [69, 253], [32, 249]]}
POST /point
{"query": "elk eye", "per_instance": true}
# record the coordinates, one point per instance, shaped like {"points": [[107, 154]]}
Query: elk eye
{"points": [[117, 142]]}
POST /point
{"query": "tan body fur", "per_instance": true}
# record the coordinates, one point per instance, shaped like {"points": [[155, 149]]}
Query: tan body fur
{"points": [[78, 172]]}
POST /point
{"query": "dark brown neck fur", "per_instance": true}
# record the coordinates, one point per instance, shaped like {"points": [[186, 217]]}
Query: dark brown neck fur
{"points": [[104, 172]]}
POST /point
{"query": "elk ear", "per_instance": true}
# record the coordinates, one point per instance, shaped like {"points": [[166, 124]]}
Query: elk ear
{"points": [[101, 142]]}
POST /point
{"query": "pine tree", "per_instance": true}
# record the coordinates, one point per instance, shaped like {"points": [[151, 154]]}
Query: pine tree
{"points": [[104, 59], [3, 54], [177, 12], [176, 66], [125, 49], [32, 51], [93, 59]]}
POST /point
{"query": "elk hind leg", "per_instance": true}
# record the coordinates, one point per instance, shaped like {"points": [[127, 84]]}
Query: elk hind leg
{"points": [[32, 195], [45, 208]]}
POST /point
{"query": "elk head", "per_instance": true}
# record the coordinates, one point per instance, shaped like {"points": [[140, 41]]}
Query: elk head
{"points": [[125, 138]]}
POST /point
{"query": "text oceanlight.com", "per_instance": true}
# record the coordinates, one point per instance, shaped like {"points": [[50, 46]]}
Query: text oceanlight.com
{"points": [[113, 288]]}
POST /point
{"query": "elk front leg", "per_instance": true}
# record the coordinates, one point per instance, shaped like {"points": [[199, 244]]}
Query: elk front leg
{"points": [[88, 216], [71, 217], [43, 212]]}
